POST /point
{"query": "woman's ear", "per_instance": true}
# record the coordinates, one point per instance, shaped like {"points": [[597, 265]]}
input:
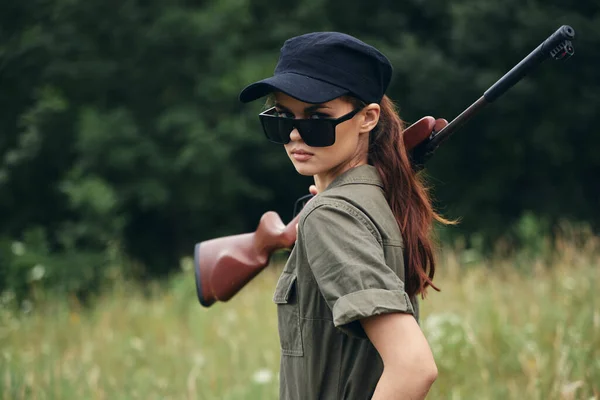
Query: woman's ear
{"points": [[371, 117]]}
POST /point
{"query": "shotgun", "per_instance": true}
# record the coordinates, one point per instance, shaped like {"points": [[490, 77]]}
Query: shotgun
{"points": [[225, 265]]}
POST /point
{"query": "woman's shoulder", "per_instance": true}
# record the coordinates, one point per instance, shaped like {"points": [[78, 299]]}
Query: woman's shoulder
{"points": [[335, 215], [357, 203], [330, 202], [358, 206]]}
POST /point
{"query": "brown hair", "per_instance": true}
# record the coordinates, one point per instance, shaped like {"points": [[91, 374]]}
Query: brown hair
{"points": [[407, 196]]}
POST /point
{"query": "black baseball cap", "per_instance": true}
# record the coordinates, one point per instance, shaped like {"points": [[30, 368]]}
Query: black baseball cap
{"points": [[321, 66]]}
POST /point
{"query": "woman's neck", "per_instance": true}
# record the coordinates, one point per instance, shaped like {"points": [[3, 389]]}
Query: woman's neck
{"points": [[323, 180]]}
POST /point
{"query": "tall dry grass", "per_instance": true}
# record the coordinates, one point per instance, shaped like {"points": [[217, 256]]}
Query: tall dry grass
{"points": [[502, 328]]}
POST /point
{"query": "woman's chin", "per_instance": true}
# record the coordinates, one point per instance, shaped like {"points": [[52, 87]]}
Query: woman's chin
{"points": [[306, 170]]}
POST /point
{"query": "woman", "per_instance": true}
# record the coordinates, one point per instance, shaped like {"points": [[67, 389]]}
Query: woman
{"points": [[346, 299]]}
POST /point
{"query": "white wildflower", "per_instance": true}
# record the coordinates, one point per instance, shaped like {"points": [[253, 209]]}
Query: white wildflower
{"points": [[162, 383], [569, 389], [443, 331], [38, 272], [230, 316], [199, 360], [569, 283], [470, 256], [137, 344], [7, 297], [262, 376], [531, 347], [186, 264], [222, 332], [93, 376], [18, 248], [439, 326], [26, 306]]}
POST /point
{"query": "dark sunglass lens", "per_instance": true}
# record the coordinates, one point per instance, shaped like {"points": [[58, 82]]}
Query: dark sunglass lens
{"points": [[317, 133], [277, 129]]}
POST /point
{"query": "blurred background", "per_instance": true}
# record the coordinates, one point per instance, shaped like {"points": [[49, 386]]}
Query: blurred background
{"points": [[122, 144]]}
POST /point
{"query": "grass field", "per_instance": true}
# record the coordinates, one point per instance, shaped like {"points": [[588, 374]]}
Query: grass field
{"points": [[521, 328]]}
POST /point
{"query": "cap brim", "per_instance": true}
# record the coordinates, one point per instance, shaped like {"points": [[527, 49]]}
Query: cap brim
{"points": [[303, 88]]}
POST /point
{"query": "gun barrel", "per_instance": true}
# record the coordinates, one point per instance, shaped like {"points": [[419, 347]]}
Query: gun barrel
{"points": [[557, 46], [440, 137]]}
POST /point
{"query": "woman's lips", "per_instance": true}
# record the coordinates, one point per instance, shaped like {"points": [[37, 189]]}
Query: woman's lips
{"points": [[301, 155]]}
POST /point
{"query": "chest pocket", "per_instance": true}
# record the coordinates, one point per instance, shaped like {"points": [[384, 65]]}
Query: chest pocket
{"points": [[286, 298]]}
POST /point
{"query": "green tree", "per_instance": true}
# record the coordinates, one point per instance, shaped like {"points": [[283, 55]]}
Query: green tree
{"points": [[120, 121]]}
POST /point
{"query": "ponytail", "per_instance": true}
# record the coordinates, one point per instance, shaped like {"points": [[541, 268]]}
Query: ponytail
{"points": [[407, 196]]}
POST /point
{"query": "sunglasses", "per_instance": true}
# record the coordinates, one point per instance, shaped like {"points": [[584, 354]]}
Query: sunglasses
{"points": [[314, 132]]}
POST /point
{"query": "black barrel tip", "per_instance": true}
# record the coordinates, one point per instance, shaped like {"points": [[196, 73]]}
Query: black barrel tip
{"points": [[559, 45], [568, 31]]}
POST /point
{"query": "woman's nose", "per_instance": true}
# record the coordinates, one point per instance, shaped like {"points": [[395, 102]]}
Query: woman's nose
{"points": [[295, 135]]}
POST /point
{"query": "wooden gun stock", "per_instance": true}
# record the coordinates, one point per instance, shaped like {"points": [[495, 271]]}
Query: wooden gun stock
{"points": [[225, 265]]}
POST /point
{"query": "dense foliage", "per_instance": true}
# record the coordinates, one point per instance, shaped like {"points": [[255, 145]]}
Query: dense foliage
{"points": [[120, 127]]}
